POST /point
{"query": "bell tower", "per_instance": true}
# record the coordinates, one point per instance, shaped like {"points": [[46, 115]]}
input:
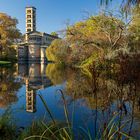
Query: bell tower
{"points": [[30, 19]]}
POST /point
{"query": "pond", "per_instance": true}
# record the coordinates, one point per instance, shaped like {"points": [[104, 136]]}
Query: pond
{"points": [[91, 103]]}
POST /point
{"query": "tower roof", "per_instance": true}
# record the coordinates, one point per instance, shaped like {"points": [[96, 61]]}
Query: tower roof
{"points": [[30, 7]]}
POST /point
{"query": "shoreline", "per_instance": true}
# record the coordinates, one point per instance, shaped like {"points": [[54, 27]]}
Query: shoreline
{"points": [[5, 63]]}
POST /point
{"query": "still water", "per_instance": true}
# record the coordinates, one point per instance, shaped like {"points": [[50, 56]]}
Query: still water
{"points": [[21, 85]]}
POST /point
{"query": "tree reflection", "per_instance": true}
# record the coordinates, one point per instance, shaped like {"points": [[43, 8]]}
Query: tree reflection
{"points": [[108, 92], [8, 87], [56, 73]]}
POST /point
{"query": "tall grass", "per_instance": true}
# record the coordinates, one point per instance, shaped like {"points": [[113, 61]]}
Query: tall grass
{"points": [[56, 130], [112, 131], [61, 130], [7, 127]]}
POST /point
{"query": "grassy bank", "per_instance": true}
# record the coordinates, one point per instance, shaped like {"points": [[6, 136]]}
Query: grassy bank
{"points": [[3, 63]]}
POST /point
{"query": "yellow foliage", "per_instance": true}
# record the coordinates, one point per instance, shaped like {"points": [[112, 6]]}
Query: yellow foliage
{"points": [[4, 87]]}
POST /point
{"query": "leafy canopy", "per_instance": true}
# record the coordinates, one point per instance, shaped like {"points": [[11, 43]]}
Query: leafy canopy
{"points": [[8, 31]]}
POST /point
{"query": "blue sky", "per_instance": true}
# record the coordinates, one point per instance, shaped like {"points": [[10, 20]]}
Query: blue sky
{"points": [[51, 14]]}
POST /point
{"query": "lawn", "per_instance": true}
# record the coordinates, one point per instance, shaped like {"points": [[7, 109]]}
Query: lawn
{"points": [[5, 62]]}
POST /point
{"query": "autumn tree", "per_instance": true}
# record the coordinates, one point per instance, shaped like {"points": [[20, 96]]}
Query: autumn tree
{"points": [[8, 33]]}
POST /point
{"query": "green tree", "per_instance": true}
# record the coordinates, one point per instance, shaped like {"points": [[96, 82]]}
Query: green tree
{"points": [[57, 51], [91, 40], [96, 38], [54, 34], [97, 30]]}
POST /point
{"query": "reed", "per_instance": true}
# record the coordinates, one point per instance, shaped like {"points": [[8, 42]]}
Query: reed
{"points": [[7, 127], [55, 130]]}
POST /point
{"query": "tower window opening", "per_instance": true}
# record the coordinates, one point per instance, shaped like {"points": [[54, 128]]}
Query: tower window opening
{"points": [[28, 16], [28, 21], [28, 25], [28, 11], [28, 30]]}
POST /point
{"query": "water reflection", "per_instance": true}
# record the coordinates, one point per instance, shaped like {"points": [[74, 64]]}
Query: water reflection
{"points": [[95, 99], [57, 73], [8, 86], [106, 87], [35, 78], [107, 93], [35, 73], [30, 98]]}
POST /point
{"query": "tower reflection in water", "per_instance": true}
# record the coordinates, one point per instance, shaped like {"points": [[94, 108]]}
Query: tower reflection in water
{"points": [[30, 98], [35, 78]]}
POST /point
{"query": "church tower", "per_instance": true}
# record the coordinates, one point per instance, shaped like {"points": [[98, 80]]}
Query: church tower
{"points": [[30, 19], [33, 47]]}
